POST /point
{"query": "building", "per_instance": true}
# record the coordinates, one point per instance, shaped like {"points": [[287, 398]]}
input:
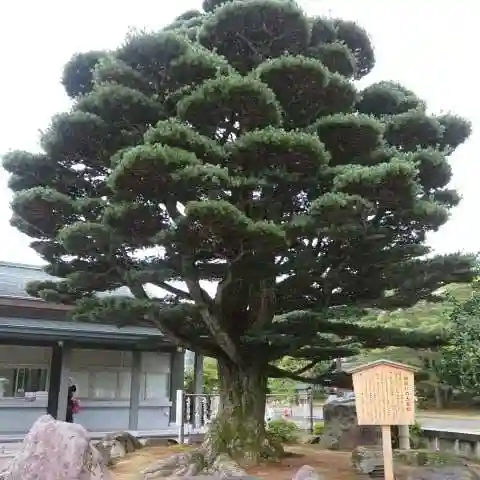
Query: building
{"points": [[126, 377]]}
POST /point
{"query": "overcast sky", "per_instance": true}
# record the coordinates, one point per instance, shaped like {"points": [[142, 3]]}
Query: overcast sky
{"points": [[425, 44]]}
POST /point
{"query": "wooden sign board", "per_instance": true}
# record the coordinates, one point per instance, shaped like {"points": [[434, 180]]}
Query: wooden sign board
{"points": [[384, 393], [385, 396]]}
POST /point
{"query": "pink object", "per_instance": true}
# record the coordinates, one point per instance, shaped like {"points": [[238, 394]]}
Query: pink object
{"points": [[54, 450], [75, 406]]}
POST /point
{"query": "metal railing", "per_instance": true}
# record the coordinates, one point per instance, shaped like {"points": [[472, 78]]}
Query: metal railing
{"points": [[194, 412]]}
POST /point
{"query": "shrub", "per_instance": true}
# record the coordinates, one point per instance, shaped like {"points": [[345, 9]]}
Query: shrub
{"points": [[416, 440], [284, 431], [318, 428]]}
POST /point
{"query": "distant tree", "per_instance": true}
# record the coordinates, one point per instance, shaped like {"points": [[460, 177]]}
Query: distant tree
{"points": [[210, 377], [233, 147], [459, 363], [428, 316]]}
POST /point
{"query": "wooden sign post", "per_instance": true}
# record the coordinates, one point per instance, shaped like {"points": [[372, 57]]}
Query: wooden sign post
{"points": [[384, 396]]}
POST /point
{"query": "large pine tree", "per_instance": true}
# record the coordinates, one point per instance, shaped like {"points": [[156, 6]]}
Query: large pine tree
{"points": [[233, 147]]}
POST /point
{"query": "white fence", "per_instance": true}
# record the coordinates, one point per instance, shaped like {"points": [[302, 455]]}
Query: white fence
{"points": [[195, 411]]}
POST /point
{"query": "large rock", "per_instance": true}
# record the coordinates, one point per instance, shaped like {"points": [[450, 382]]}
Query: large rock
{"points": [[432, 465], [341, 430], [443, 473], [307, 473], [367, 460], [114, 446], [54, 450]]}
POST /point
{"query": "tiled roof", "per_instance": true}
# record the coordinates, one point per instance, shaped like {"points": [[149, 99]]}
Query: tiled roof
{"points": [[14, 278], [92, 332]]}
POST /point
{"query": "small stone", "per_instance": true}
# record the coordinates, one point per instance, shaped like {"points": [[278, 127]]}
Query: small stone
{"points": [[307, 473]]}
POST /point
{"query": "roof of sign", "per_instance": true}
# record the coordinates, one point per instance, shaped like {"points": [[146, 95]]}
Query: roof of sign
{"points": [[376, 363]]}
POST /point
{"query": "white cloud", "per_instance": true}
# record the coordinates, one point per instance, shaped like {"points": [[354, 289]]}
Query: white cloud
{"points": [[425, 45]]}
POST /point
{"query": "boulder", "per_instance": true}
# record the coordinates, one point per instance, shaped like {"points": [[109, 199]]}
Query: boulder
{"points": [[129, 442], [57, 450], [116, 445], [367, 460], [443, 473], [341, 430], [307, 473]]}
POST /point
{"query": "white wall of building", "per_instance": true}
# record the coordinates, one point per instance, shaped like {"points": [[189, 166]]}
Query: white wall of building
{"points": [[103, 379]]}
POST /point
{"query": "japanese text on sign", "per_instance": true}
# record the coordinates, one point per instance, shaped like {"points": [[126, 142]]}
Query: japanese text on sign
{"points": [[384, 395]]}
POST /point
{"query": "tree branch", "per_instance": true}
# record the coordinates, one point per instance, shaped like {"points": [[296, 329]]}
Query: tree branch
{"points": [[181, 340], [340, 379], [205, 303], [174, 290], [138, 291], [306, 368]]}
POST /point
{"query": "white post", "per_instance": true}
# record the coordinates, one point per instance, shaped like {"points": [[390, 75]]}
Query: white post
{"points": [[179, 417], [215, 405]]}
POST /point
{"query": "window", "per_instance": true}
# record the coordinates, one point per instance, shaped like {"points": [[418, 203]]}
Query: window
{"points": [[82, 381], [124, 383], [105, 385], [22, 381], [156, 386]]}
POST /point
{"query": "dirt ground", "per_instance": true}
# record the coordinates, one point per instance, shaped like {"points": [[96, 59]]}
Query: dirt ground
{"points": [[335, 465]]}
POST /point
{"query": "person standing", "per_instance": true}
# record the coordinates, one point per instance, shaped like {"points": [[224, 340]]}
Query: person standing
{"points": [[71, 402]]}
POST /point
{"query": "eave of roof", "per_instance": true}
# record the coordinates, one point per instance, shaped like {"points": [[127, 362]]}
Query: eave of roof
{"points": [[13, 280], [33, 329]]}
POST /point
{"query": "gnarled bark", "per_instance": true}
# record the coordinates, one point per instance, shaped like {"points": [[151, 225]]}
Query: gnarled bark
{"points": [[239, 427], [237, 432]]}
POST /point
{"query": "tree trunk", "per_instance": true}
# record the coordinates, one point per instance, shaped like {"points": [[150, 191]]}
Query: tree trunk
{"points": [[239, 427]]}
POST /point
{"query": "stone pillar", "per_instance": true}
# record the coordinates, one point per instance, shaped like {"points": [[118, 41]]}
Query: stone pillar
{"points": [[341, 430], [177, 379], [198, 388], [135, 381], [403, 437], [58, 384]]}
